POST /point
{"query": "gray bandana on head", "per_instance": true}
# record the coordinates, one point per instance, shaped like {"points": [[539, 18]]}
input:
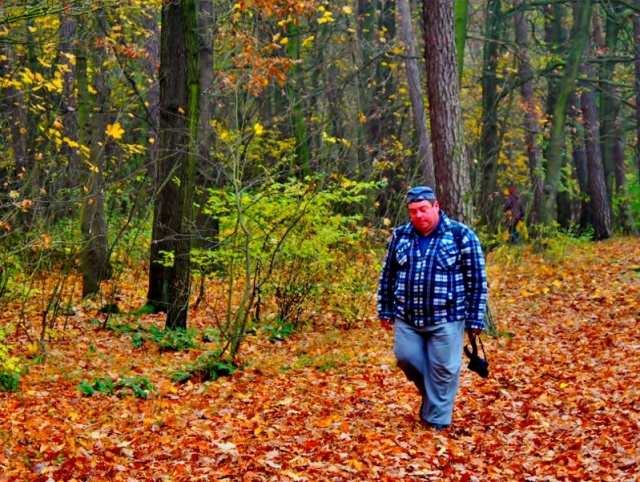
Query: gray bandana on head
{"points": [[420, 193]]}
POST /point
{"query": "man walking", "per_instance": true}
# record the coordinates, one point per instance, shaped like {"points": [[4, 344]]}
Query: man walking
{"points": [[433, 285]]}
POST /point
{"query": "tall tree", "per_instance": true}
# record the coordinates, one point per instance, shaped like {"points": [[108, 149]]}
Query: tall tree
{"points": [[598, 201], [490, 200], [579, 154], [69, 104], [531, 113], [207, 175], [611, 132], [636, 65], [461, 18], [555, 151], [169, 273], [453, 180], [94, 258], [425, 154], [152, 46], [607, 43]]}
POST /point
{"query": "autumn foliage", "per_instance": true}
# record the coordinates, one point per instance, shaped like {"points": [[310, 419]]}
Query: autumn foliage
{"points": [[327, 403]]}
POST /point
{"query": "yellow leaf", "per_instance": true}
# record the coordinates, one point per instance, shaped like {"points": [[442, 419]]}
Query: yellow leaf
{"points": [[115, 130], [308, 40], [32, 348], [71, 57]]}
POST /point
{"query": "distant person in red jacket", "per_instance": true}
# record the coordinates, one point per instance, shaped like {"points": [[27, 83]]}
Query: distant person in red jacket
{"points": [[514, 212]]}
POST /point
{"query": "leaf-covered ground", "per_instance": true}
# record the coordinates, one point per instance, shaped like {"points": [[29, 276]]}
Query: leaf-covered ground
{"points": [[562, 401]]}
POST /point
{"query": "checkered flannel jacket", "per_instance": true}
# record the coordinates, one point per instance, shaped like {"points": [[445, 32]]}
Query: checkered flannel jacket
{"points": [[447, 283]]}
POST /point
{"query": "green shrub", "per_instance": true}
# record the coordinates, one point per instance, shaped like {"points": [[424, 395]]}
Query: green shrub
{"points": [[137, 386], [281, 245], [168, 340], [279, 331], [10, 368], [9, 381], [101, 385], [353, 294], [174, 340], [209, 366]]}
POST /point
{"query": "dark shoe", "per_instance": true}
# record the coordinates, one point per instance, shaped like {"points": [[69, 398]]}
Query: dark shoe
{"points": [[436, 426]]}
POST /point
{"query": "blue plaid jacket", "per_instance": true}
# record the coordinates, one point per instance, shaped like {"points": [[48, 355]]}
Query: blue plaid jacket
{"points": [[448, 283]]}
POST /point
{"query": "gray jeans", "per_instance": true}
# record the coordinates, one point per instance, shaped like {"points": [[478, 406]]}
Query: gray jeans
{"points": [[431, 357]]}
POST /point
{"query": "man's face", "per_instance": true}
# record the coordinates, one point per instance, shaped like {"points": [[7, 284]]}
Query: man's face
{"points": [[424, 216]]}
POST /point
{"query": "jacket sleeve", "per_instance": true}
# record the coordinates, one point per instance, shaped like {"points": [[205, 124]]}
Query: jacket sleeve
{"points": [[387, 283], [475, 279]]}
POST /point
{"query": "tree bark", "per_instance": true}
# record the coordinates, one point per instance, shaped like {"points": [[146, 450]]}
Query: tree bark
{"points": [[13, 106], [449, 151], [612, 134], [580, 160], [608, 95], [598, 200], [207, 175], [461, 18], [69, 100], [169, 282], [152, 64], [490, 202], [636, 64], [94, 259], [531, 115], [565, 87], [425, 154]]}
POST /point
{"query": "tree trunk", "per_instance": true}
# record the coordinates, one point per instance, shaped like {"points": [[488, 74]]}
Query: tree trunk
{"points": [[565, 87], [531, 115], [207, 175], [636, 64], [150, 24], [461, 18], [362, 59], [69, 99], [449, 151], [598, 201], [611, 133], [169, 279], [608, 95], [490, 202], [295, 86], [94, 259], [425, 154], [580, 160], [13, 106]]}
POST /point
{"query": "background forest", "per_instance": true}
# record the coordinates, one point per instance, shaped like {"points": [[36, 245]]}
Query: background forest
{"points": [[196, 195]]}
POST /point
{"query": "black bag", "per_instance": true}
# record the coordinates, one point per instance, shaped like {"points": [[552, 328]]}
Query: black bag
{"points": [[476, 363]]}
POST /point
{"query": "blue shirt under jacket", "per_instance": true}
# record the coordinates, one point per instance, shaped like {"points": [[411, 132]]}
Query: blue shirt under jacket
{"points": [[446, 282]]}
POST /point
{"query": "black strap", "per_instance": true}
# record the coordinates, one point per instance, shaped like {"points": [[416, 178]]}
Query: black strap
{"points": [[474, 347]]}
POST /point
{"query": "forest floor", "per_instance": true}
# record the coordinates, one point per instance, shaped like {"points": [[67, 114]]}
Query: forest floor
{"points": [[562, 401]]}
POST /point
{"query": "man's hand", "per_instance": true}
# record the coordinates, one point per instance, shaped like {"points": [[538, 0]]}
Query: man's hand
{"points": [[473, 332], [386, 324]]}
